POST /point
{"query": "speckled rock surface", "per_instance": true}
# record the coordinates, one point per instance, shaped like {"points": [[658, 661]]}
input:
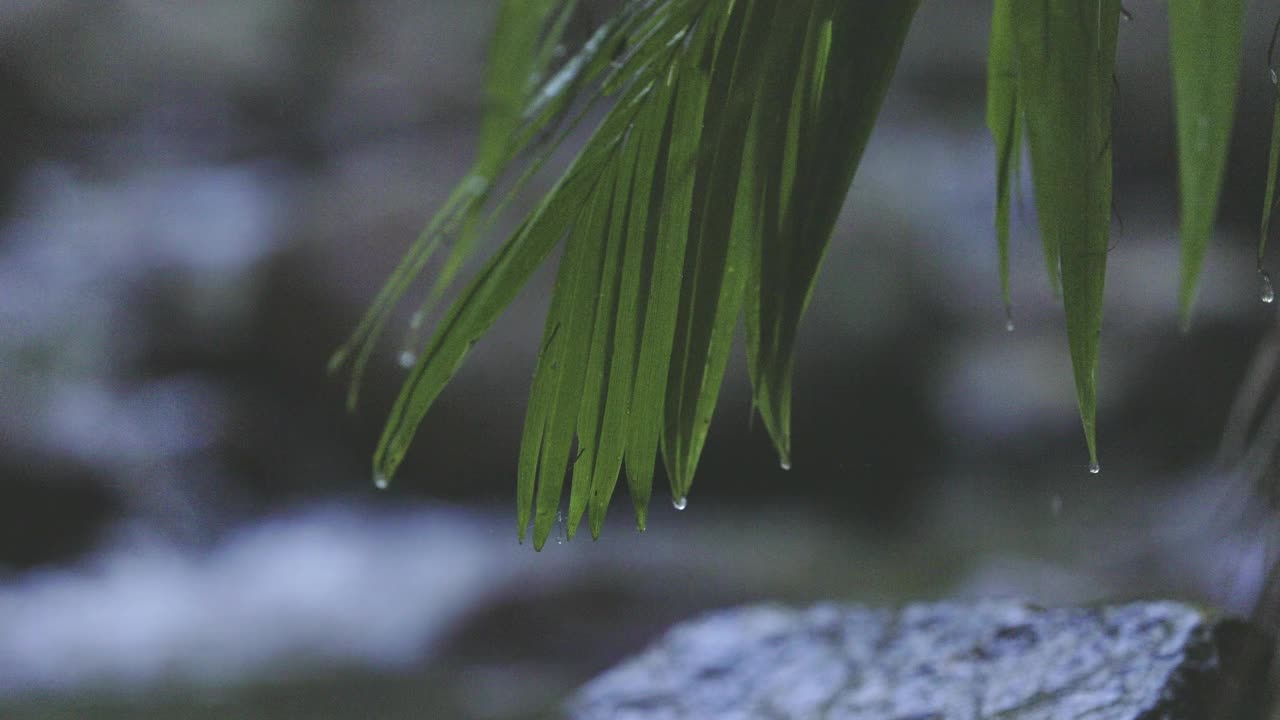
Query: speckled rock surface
{"points": [[995, 659]]}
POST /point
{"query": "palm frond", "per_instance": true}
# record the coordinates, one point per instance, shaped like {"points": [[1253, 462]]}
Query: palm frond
{"points": [[709, 189]]}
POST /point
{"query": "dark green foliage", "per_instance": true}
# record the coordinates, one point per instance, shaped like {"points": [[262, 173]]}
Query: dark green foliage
{"points": [[1064, 56], [709, 191], [1204, 40], [1269, 198]]}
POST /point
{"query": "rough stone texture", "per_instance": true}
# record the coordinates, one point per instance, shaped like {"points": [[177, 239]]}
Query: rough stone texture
{"points": [[994, 659]]}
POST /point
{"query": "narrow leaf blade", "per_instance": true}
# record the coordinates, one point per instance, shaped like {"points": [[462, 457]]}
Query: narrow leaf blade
{"points": [[1205, 39], [1003, 114], [1066, 59], [813, 122], [1269, 199]]}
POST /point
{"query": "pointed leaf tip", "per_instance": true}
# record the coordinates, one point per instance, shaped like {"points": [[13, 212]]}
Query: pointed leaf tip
{"points": [[1066, 91], [1205, 38], [1269, 199], [804, 145]]}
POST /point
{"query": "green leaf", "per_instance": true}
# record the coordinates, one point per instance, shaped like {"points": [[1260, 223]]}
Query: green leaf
{"points": [[812, 122], [1204, 38], [710, 190], [499, 281], [1065, 61], [667, 220], [559, 385], [520, 54], [1269, 198], [478, 307], [523, 48], [519, 116], [576, 363], [358, 349], [637, 236], [714, 272], [1004, 120], [606, 396], [734, 133], [606, 237]]}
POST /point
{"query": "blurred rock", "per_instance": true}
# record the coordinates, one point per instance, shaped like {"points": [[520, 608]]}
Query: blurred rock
{"points": [[996, 659], [352, 587], [89, 267]]}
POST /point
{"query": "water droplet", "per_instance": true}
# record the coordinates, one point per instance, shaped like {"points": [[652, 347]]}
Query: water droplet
{"points": [[680, 503], [1274, 79], [1266, 290], [785, 464], [407, 359], [380, 481], [1055, 505], [1095, 468], [1008, 325], [416, 321]]}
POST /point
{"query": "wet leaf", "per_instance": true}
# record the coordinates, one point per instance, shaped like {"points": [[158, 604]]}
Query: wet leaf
{"points": [[708, 192], [811, 123], [560, 384], [1204, 40], [1269, 198], [1065, 62], [714, 271], [712, 185], [1004, 118]]}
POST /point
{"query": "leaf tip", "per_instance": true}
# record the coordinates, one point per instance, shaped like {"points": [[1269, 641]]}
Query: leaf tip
{"points": [[1090, 439], [353, 395], [641, 508], [337, 360], [522, 524], [1184, 317], [1187, 291], [575, 519]]}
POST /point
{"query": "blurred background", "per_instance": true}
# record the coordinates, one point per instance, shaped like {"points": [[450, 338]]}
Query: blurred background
{"points": [[197, 201]]}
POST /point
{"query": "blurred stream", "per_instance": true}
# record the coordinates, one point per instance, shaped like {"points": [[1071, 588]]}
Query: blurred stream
{"points": [[198, 200]]}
